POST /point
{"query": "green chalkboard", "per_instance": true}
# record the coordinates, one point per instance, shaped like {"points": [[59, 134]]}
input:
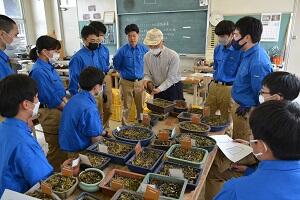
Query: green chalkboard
{"points": [[137, 6], [184, 31], [285, 19]]}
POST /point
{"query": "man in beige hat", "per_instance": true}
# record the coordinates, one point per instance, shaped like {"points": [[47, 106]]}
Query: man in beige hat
{"points": [[161, 67]]}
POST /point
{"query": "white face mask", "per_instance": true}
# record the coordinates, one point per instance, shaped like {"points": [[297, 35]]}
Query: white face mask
{"points": [[257, 155], [100, 92], [36, 109], [155, 51], [261, 99], [54, 58]]}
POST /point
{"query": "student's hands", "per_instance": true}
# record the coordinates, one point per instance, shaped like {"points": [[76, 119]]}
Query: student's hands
{"points": [[238, 168], [242, 111]]}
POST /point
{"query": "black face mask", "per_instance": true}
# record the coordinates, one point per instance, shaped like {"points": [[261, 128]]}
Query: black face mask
{"points": [[93, 46]]}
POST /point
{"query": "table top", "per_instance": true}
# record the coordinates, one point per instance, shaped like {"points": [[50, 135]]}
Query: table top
{"points": [[169, 123]]}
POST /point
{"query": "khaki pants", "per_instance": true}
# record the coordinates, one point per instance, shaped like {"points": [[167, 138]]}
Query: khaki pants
{"points": [[220, 170], [219, 98], [105, 108], [131, 91], [50, 119], [1, 118]]}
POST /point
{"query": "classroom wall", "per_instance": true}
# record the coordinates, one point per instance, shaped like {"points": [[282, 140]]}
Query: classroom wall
{"points": [[293, 62]]}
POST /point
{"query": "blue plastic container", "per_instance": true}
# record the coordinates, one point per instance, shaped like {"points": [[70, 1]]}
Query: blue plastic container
{"points": [[144, 142], [167, 179], [114, 158], [142, 170], [190, 185], [216, 128]]}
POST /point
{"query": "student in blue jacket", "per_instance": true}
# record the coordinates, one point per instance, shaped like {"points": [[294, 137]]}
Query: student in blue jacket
{"points": [[275, 126], [87, 56], [22, 161], [52, 94], [255, 65], [81, 124], [278, 86], [105, 100]]}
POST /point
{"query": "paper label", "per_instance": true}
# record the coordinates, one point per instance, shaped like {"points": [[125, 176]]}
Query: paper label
{"points": [[195, 119], [85, 160], [145, 185], [151, 193], [76, 162], [116, 184], [138, 148], [102, 148], [46, 188], [118, 129], [177, 172], [67, 171], [206, 111], [186, 143], [193, 141]]}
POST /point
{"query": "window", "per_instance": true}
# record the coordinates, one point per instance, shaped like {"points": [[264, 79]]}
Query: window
{"points": [[13, 9]]}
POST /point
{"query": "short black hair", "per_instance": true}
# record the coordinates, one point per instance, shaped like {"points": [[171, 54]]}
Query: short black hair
{"points": [[99, 26], [44, 42], [89, 30], [6, 23], [224, 27], [277, 123], [283, 83], [14, 89], [250, 25], [131, 27], [90, 77]]}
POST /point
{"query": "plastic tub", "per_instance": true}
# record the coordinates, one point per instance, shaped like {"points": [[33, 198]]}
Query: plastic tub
{"points": [[86, 195], [185, 130], [169, 106], [144, 142], [186, 162], [191, 185], [67, 193], [114, 158], [215, 128], [143, 170], [162, 147], [104, 185], [103, 165], [182, 182], [186, 116], [209, 148], [94, 187], [180, 106], [136, 195]]}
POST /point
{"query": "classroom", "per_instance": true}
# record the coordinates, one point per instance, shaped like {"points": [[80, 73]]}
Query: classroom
{"points": [[149, 99]]}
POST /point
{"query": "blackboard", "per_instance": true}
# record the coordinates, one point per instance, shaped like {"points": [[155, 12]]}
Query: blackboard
{"points": [[146, 6], [183, 23], [184, 32], [285, 20]]}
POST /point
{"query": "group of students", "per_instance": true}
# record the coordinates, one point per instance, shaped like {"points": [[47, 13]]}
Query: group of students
{"points": [[70, 125], [243, 81]]}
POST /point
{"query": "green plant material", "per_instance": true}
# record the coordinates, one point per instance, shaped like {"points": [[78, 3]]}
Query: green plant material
{"points": [[190, 173], [196, 111], [161, 143], [117, 148], [96, 160], [146, 158], [129, 183], [193, 155], [61, 183], [134, 134], [194, 127], [129, 196], [161, 103], [200, 141], [167, 188], [215, 120], [40, 195], [90, 177]]}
